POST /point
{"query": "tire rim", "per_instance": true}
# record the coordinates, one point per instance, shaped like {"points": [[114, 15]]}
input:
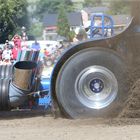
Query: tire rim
{"points": [[96, 87]]}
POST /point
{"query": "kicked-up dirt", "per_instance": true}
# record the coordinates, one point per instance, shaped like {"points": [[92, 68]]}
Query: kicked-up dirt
{"points": [[48, 128], [27, 126], [43, 126], [132, 108]]}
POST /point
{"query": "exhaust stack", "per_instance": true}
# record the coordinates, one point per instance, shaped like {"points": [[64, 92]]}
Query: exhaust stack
{"points": [[22, 82]]}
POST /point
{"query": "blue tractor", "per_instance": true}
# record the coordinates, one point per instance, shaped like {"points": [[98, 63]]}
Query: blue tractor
{"points": [[22, 84], [91, 79]]}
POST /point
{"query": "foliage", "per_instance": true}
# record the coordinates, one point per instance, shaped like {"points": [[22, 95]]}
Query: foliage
{"points": [[63, 25], [119, 7], [12, 17], [92, 3], [71, 35], [52, 6], [36, 30], [116, 6]]}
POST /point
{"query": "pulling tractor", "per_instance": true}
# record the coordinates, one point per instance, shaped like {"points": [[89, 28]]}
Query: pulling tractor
{"points": [[91, 79]]}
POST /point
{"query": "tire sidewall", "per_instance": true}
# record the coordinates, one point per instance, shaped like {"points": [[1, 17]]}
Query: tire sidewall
{"points": [[65, 90]]}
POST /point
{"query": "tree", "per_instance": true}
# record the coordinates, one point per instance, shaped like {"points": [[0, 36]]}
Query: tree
{"points": [[119, 7], [71, 35], [63, 25], [92, 3], [13, 15], [36, 30], [52, 6]]}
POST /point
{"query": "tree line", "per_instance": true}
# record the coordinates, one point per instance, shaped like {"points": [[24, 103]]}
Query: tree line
{"points": [[14, 14]]}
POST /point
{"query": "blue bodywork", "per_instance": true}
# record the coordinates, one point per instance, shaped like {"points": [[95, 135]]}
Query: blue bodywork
{"points": [[103, 26], [44, 98]]}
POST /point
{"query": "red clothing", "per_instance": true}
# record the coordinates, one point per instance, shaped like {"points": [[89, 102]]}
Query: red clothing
{"points": [[46, 53], [17, 41], [15, 53]]}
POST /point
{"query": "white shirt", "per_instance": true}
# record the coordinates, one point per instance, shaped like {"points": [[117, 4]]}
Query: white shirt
{"points": [[6, 54]]}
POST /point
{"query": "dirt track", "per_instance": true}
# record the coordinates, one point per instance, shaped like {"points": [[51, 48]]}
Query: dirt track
{"points": [[132, 108], [13, 127], [44, 128]]}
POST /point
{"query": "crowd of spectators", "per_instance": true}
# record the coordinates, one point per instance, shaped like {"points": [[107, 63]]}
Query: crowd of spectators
{"points": [[6, 54], [9, 52]]}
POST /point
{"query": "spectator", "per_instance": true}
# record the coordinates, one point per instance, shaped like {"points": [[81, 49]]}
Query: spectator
{"points": [[61, 44], [17, 41], [6, 55], [41, 55], [46, 53], [15, 52], [36, 46], [8, 44]]}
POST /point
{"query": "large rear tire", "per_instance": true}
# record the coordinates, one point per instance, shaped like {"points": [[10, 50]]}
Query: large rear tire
{"points": [[92, 83], [5, 71], [4, 94]]}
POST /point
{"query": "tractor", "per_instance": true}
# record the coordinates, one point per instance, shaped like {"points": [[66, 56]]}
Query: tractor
{"points": [[91, 79]]}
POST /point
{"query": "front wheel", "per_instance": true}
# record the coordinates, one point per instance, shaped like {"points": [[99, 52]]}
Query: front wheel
{"points": [[92, 83]]}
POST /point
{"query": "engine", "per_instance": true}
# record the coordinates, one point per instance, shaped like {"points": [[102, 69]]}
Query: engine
{"points": [[22, 85]]}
